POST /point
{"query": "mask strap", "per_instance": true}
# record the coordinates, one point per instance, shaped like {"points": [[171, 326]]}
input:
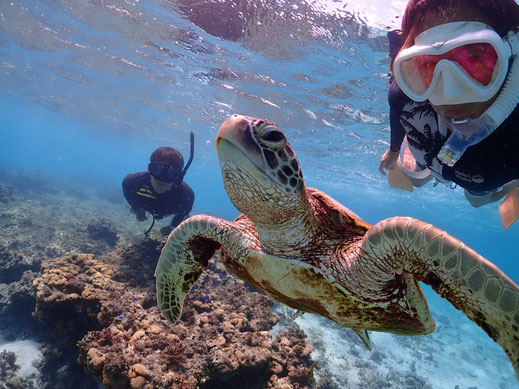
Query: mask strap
{"points": [[509, 96]]}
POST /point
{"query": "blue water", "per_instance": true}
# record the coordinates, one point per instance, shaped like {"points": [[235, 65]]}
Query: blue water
{"points": [[89, 89]]}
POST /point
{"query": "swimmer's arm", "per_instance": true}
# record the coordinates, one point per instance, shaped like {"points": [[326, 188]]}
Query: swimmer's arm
{"points": [[140, 214], [177, 219], [395, 97], [478, 201], [388, 160]]}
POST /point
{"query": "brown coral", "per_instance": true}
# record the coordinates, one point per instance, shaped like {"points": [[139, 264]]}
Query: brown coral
{"points": [[221, 340]]}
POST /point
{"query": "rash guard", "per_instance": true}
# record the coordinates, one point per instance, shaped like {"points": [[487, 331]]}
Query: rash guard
{"points": [[140, 194], [483, 168]]}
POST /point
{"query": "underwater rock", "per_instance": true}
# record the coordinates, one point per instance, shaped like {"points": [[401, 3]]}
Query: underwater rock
{"points": [[8, 370], [26, 182], [41, 224], [6, 194], [59, 369], [7, 364], [103, 230], [12, 265], [139, 262], [17, 298], [222, 339]]}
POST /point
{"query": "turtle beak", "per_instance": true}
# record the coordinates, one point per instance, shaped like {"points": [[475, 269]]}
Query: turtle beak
{"points": [[238, 149], [233, 128], [237, 130]]}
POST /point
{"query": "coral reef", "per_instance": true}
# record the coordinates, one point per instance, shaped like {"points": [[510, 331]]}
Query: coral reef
{"points": [[59, 369], [41, 223], [41, 218], [104, 230], [222, 339]]}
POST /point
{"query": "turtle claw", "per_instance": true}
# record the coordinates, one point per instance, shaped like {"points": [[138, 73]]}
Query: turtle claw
{"points": [[296, 315], [364, 336]]}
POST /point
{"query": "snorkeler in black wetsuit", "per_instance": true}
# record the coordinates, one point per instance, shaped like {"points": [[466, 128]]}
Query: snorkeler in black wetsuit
{"points": [[161, 190]]}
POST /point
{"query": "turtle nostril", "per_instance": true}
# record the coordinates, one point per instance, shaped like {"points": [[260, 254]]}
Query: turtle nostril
{"points": [[258, 124]]}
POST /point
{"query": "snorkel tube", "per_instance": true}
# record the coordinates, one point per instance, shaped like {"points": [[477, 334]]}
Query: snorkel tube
{"points": [[467, 132], [191, 154]]}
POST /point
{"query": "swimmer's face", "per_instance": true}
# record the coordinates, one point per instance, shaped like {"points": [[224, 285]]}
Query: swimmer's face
{"points": [[160, 186], [464, 13]]}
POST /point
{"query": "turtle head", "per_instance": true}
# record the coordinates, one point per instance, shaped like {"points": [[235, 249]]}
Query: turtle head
{"points": [[260, 170]]}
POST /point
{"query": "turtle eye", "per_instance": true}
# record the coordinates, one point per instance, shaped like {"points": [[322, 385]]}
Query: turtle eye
{"points": [[272, 136]]}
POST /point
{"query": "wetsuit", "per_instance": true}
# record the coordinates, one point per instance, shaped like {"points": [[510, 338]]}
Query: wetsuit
{"points": [[483, 168], [177, 201]]}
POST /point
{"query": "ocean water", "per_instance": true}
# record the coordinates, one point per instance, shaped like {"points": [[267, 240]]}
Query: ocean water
{"points": [[88, 89]]}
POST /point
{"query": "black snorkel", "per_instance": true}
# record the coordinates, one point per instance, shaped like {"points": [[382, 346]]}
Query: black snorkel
{"points": [[151, 226], [191, 154]]}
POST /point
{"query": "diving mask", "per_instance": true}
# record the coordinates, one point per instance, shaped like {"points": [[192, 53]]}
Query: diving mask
{"points": [[165, 173], [454, 63]]}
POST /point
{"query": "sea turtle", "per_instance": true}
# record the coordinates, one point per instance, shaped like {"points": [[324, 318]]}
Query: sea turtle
{"points": [[304, 249]]}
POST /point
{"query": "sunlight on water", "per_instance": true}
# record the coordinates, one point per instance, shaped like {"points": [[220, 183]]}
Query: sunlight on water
{"points": [[378, 13]]}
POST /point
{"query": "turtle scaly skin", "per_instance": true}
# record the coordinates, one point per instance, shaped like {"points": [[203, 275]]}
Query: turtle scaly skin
{"points": [[308, 251]]}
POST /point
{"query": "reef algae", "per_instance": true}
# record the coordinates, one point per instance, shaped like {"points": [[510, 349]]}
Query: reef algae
{"points": [[107, 305]]}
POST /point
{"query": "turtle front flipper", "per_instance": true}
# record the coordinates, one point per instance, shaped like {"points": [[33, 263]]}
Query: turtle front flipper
{"points": [[184, 257], [405, 246]]}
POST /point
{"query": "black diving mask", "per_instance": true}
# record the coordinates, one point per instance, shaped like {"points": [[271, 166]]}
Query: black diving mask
{"points": [[165, 173]]}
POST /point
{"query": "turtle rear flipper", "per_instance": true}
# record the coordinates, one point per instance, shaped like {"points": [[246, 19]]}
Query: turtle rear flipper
{"points": [[184, 257], [457, 273]]}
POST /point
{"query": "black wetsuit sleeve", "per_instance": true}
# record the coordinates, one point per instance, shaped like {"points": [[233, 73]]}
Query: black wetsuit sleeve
{"points": [[397, 100], [130, 187], [178, 219], [190, 199]]}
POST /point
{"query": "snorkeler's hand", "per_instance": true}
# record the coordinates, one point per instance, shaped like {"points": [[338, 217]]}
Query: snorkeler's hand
{"points": [[140, 215], [388, 160]]}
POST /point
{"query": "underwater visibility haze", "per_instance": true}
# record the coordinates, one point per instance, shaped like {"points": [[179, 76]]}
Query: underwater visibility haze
{"points": [[90, 88]]}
